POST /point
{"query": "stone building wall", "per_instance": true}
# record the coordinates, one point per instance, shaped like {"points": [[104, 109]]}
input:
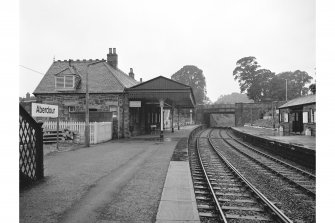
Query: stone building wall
{"points": [[99, 102], [311, 125], [287, 126]]}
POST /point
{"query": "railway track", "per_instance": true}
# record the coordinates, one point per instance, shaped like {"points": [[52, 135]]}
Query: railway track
{"points": [[223, 194], [295, 176]]}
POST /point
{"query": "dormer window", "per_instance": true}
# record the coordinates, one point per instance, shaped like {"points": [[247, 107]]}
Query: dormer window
{"points": [[66, 82]]}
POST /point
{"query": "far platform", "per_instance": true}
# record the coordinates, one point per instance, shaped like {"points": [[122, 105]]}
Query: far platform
{"points": [[307, 142]]}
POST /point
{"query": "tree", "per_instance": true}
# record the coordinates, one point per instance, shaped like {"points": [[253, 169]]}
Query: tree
{"points": [[233, 98], [296, 82], [312, 88], [193, 76], [262, 84], [253, 80]]}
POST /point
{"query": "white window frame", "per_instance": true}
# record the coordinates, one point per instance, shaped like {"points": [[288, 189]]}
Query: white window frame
{"points": [[63, 82], [113, 108], [305, 117], [312, 115], [285, 114], [71, 108]]}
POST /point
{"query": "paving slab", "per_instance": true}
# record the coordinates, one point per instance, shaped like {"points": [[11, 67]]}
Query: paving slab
{"points": [[178, 202]]}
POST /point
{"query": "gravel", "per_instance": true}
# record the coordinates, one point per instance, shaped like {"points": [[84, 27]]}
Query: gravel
{"points": [[287, 198]]}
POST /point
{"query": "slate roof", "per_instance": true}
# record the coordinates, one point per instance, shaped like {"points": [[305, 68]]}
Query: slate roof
{"points": [[103, 78], [309, 99], [161, 83], [173, 92]]}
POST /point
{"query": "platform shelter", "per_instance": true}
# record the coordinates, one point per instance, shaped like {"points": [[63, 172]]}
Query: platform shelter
{"points": [[150, 100]]}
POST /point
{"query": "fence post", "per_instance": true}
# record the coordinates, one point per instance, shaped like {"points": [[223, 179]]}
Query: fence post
{"points": [[39, 152], [96, 132], [111, 128]]}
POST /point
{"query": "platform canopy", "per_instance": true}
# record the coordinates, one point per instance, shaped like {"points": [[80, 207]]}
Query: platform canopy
{"points": [[172, 92]]}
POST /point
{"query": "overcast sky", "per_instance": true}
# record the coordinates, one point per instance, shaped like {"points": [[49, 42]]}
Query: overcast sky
{"points": [[160, 37]]}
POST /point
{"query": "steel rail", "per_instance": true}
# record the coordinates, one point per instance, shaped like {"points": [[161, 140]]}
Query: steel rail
{"points": [[210, 186], [273, 158], [311, 193], [278, 213]]}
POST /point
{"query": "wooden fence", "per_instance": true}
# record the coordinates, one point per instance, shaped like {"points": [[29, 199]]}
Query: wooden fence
{"points": [[99, 131]]}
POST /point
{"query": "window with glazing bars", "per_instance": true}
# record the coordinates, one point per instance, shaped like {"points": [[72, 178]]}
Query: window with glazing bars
{"points": [[65, 82]]}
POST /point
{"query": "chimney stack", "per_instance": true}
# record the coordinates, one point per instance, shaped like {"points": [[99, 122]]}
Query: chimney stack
{"points": [[141, 80], [131, 73], [112, 57], [27, 96]]}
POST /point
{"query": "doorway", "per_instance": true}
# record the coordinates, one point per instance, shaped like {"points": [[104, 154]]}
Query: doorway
{"points": [[297, 125]]}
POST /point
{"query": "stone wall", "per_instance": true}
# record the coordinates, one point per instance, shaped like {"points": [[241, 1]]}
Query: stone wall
{"points": [[250, 112], [222, 120]]}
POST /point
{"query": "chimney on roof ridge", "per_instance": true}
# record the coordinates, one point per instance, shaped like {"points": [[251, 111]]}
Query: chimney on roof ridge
{"points": [[112, 57], [131, 73], [27, 96], [141, 80]]}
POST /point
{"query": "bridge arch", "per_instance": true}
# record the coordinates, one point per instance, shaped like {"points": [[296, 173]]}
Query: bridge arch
{"points": [[222, 115]]}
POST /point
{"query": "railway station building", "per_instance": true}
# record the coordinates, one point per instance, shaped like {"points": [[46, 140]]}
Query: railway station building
{"points": [[297, 116], [134, 107]]}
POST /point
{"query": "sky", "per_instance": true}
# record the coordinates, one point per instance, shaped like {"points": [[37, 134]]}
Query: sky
{"points": [[160, 37]]}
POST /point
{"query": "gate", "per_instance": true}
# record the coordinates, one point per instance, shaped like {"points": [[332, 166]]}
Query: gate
{"points": [[31, 149]]}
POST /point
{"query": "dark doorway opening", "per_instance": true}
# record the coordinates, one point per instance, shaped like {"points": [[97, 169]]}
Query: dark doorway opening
{"points": [[297, 125]]}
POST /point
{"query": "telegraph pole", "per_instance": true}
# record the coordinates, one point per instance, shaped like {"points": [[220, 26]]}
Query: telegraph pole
{"points": [[286, 89], [87, 112]]}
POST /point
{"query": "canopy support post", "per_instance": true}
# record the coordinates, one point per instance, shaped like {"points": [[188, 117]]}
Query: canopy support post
{"points": [[172, 111], [178, 119], [161, 103]]}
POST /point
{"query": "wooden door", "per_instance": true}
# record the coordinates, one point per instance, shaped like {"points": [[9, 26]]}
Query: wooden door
{"points": [[297, 125]]}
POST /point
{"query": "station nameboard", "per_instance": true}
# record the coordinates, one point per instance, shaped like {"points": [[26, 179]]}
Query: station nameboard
{"points": [[135, 104], [44, 110]]}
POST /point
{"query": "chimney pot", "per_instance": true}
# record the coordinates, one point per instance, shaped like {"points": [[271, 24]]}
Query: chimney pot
{"points": [[112, 57], [131, 73]]}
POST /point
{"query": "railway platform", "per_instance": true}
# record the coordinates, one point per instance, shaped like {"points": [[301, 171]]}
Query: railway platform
{"points": [[126, 180], [306, 142]]}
